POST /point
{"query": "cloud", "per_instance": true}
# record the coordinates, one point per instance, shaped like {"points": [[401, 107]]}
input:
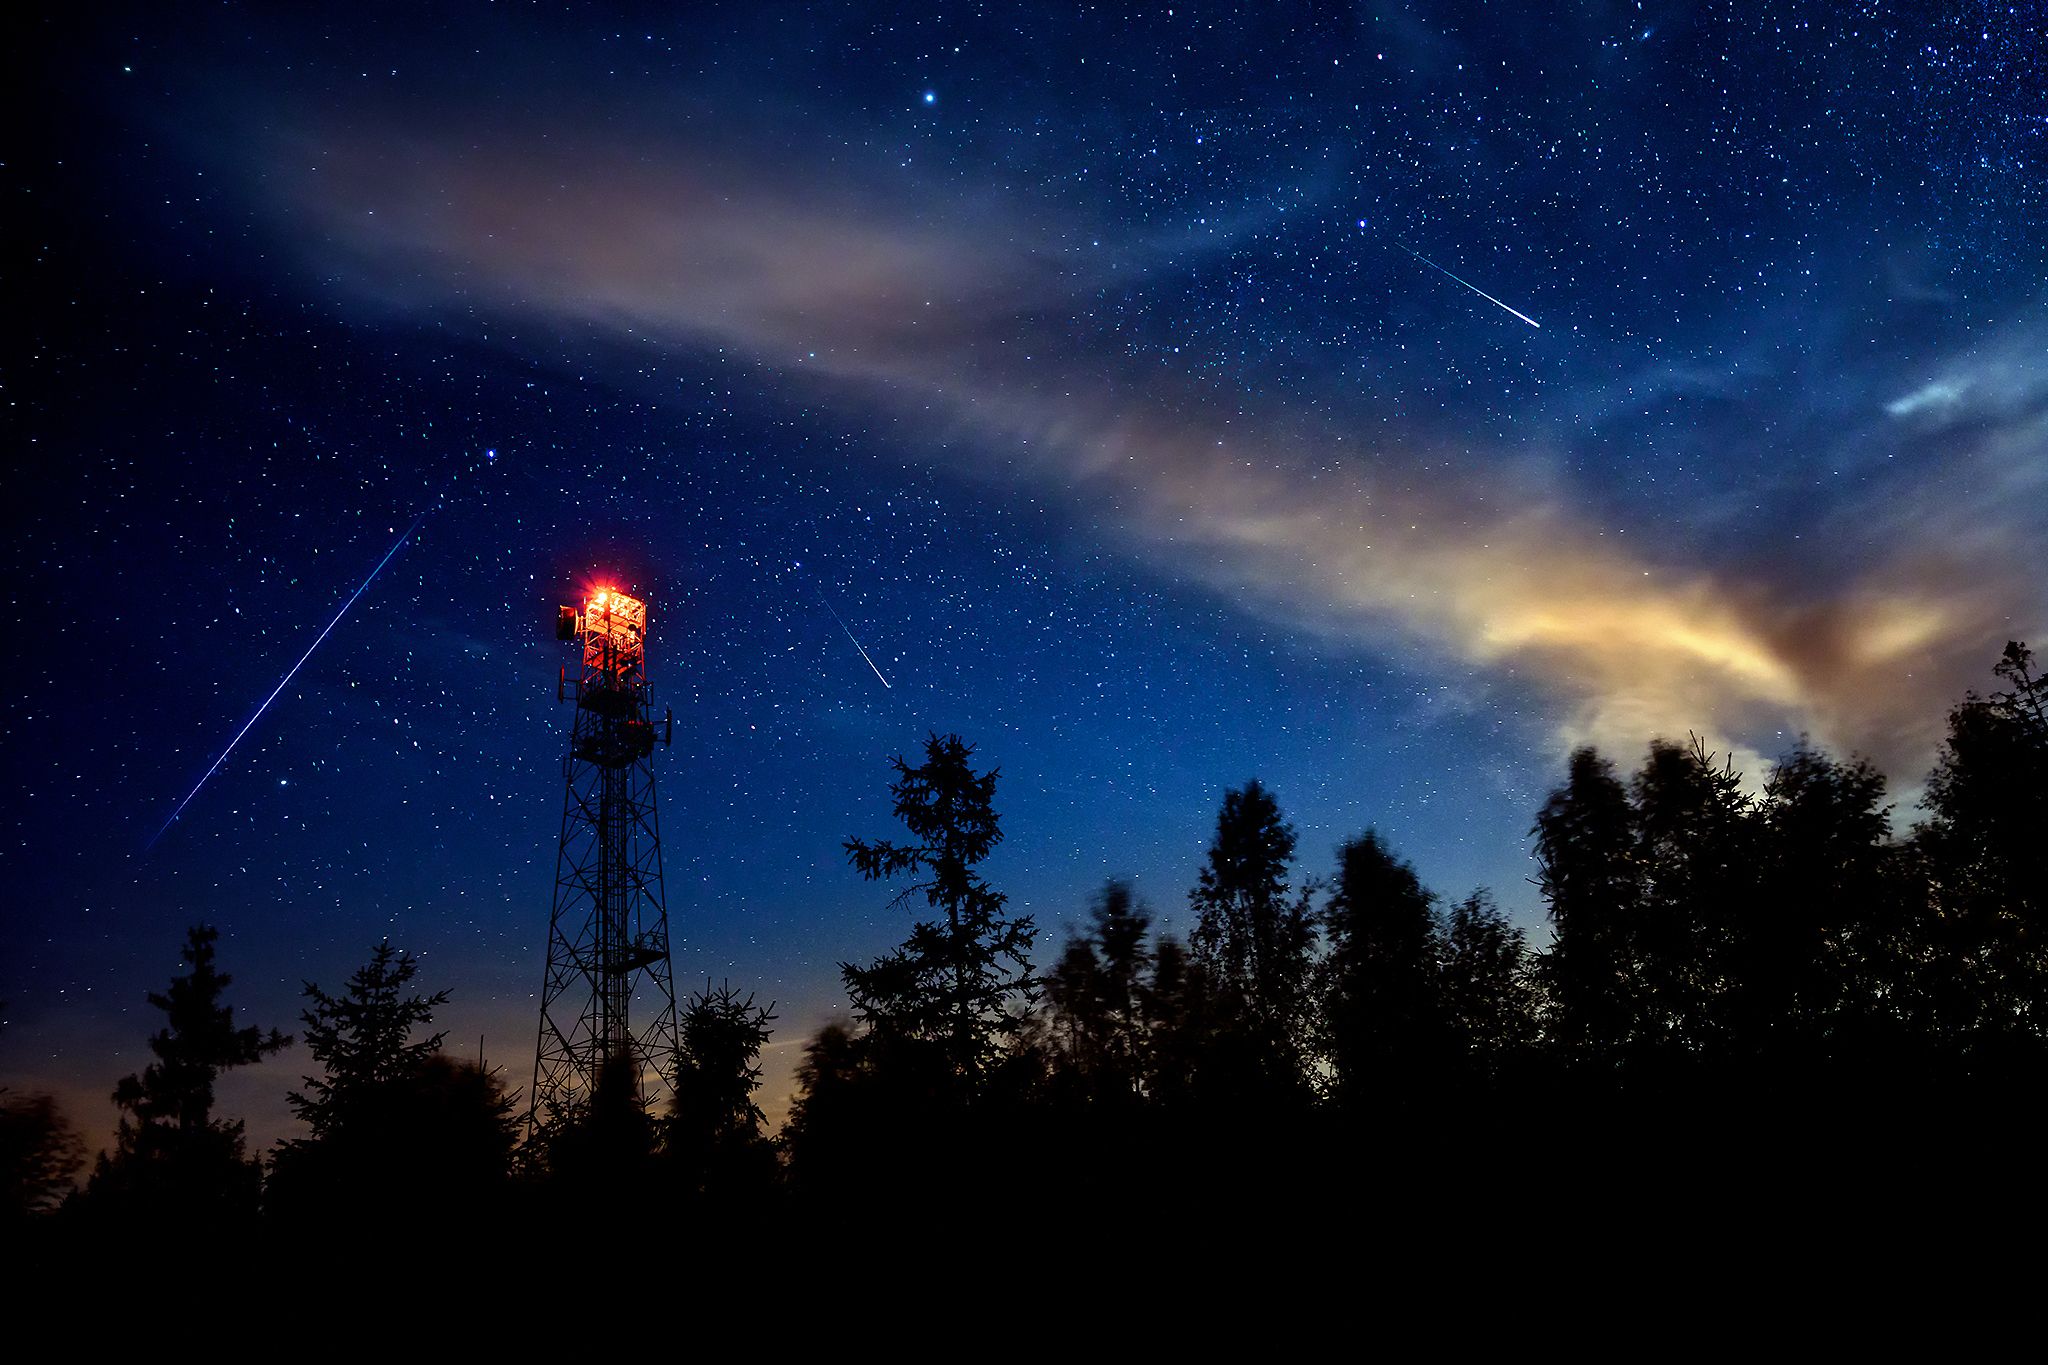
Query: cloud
{"points": [[1937, 395], [961, 311]]}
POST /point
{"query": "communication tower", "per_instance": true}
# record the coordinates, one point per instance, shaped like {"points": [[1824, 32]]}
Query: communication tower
{"points": [[608, 933]]}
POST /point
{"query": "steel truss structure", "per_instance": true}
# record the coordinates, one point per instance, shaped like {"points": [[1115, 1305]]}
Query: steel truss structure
{"points": [[608, 933]]}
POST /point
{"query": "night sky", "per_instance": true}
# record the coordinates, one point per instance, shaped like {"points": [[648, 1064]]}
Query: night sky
{"points": [[1108, 371]]}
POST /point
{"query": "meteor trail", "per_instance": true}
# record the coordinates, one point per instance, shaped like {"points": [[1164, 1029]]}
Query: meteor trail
{"points": [[250, 723], [1473, 287], [856, 643]]}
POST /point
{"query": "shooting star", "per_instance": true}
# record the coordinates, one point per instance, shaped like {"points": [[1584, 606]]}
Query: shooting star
{"points": [[855, 643], [286, 681], [1473, 287]]}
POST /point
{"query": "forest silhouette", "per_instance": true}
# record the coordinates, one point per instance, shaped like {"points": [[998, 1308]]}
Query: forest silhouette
{"points": [[1747, 987]]}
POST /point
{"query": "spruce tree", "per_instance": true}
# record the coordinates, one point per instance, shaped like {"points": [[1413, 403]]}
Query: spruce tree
{"points": [[363, 1039], [393, 1120], [172, 1159], [954, 981], [712, 1138]]}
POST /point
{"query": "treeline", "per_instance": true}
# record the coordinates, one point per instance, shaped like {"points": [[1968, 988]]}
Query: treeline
{"points": [[1732, 972], [1735, 973]]}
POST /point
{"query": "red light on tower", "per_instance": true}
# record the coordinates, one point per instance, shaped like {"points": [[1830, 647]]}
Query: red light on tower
{"points": [[614, 634]]}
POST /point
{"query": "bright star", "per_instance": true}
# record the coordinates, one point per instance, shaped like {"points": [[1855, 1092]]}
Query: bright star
{"points": [[931, 97]]}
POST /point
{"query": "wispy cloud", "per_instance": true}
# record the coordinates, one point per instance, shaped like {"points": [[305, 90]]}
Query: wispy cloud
{"points": [[963, 316], [1937, 395]]}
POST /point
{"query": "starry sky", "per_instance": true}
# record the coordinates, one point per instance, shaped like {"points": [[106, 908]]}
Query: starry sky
{"points": [[1374, 399]]}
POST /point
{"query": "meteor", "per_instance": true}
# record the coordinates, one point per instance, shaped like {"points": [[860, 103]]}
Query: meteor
{"points": [[855, 643], [286, 681], [1473, 287]]}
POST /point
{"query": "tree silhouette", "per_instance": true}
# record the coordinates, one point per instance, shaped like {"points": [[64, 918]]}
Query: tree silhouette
{"points": [[1073, 999], [1384, 1012], [1254, 943], [40, 1152], [172, 1159], [1096, 996], [1172, 1005], [363, 1038], [1488, 993], [1592, 881], [712, 1137], [1724, 963], [953, 981], [1699, 863], [826, 1117], [1986, 860], [876, 1112], [600, 1159], [392, 1119], [1814, 966]]}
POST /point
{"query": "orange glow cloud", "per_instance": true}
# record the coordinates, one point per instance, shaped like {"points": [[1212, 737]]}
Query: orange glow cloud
{"points": [[1489, 564]]}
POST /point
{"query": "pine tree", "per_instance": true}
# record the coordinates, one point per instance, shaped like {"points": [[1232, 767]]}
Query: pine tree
{"points": [[172, 1158], [953, 982], [363, 1038], [393, 1121], [712, 1138]]}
